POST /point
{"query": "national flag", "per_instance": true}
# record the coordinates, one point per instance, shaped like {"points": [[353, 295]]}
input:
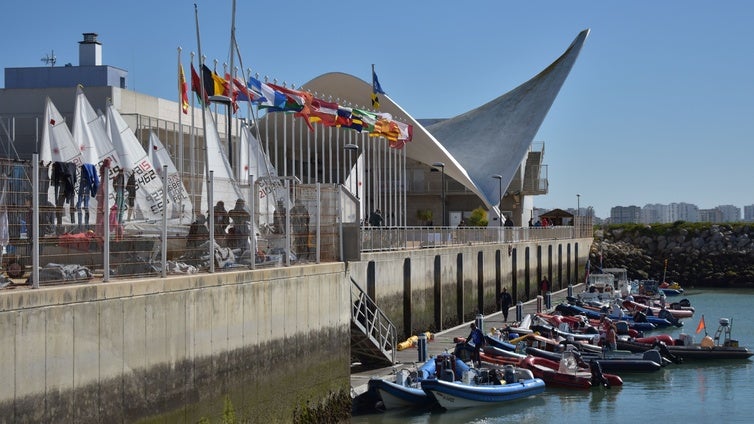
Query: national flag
{"points": [[407, 132], [367, 119], [376, 89], [324, 112], [298, 101], [196, 86], [344, 117], [183, 89], [268, 96], [242, 93], [214, 85], [701, 326]]}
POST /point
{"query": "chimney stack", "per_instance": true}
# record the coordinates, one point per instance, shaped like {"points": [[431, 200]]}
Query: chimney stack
{"points": [[90, 50]]}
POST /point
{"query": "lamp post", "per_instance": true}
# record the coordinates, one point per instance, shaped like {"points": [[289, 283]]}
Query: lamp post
{"points": [[578, 205], [499, 178], [354, 148], [441, 165]]}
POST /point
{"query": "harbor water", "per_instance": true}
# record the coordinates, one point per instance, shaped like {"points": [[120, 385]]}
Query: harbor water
{"points": [[708, 391]]}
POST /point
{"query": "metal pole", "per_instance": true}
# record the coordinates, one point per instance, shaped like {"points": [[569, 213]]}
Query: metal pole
{"points": [[340, 219], [288, 225], [443, 197], [441, 165], [319, 226], [211, 221], [164, 247], [252, 210], [106, 222], [35, 224]]}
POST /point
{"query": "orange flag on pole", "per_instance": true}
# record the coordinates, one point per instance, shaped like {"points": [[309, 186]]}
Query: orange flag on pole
{"points": [[701, 325], [183, 89]]}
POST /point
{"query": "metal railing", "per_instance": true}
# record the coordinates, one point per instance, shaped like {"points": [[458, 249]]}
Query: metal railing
{"points": [[402, 238], [373, 323]]}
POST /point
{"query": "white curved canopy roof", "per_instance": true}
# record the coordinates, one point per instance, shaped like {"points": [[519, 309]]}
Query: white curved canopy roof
{"points": [[491, 139]]}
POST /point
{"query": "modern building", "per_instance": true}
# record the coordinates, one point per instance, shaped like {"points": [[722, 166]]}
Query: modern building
{"points": [[730, 213], [749, 213], [451, 166], [711, 215], [625, 215]]}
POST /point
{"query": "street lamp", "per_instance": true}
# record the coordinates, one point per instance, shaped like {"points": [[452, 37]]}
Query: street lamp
{"points": [[354, 148], [578, 205], [441, 165], [500, 205]]}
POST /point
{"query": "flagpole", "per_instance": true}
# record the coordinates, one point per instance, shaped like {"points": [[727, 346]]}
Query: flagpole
{"points": [[204, 107], [181, 85], [192, 154]]}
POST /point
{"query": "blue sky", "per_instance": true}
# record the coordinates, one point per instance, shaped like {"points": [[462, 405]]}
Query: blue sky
{"points": [[659, 107]]}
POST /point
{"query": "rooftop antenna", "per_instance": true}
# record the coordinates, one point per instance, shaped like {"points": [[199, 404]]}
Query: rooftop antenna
{"points": [[50, 59]]}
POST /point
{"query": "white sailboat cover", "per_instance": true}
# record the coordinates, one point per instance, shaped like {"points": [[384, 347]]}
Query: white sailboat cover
{"points": [[91, 137], [180, 206], [90, 134], [225, 186], [57, 141], [353, 184], [271, 188], [133, 158]]}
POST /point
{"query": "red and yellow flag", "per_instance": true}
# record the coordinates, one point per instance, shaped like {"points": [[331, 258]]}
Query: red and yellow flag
{"points": [[701, 325], [183, 89]]}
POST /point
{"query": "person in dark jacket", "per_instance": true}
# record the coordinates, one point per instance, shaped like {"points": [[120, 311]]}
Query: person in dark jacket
{"points": [[131, 190], [119, 185], [64, 181], [88, 186], [222, 220], [238, 234], [476, 342], [506, 301]]}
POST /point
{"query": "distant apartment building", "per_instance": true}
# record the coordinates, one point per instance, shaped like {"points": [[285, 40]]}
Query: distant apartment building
{"points": [[730, 213], [684, 212], [625, 215], [711, 215], [655, 213], [749, 213]]}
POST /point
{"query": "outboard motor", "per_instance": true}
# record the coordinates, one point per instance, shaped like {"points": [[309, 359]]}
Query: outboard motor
{"points": [[653, 355], [666, 353], [510, 374], [445, 372], [640, 317], [665, 314], [597, 377]]}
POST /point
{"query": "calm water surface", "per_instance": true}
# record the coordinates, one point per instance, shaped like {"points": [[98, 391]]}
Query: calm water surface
{"points": [[693, 392]]}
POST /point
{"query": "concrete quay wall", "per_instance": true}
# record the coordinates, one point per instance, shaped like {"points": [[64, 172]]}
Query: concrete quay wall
{"points": [[432, 289], [178, 348]]}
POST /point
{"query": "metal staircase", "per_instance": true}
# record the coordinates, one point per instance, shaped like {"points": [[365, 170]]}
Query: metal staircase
{"points": [[373, 335]]}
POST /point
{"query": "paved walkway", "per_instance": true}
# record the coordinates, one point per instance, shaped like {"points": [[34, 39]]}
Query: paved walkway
{"points": [[444, 340]]}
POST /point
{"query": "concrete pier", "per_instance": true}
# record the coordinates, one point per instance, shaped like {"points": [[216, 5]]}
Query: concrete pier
{"points": [[178, 348]]}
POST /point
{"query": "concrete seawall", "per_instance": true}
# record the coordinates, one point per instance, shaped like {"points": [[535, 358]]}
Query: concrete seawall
{"points": [[437, 288], [177, 347], [268, 342]]}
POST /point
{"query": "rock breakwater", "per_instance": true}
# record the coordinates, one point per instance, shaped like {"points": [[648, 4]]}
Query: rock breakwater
{"points": [[704, 255]]}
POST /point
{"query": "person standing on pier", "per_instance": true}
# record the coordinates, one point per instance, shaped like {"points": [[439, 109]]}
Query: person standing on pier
{"points": [[505, 303], [544, 286], [476, 342]]}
